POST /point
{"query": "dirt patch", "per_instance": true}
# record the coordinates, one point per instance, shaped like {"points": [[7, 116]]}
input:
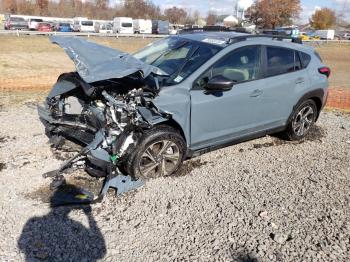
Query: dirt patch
{"points": [[188, 166], [2, 166], [80, 180]]}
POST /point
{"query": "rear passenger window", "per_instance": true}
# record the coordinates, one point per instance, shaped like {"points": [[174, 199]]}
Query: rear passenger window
{"points": [[305, 59], [281, 61]]}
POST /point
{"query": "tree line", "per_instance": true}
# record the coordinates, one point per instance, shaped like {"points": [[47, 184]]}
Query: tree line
{"points": [[263, 13]]}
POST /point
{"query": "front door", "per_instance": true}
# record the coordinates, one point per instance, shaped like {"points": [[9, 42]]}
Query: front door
{"points": [[222, 116]]}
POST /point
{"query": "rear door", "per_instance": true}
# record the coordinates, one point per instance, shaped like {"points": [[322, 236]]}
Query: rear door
{"points": [[283, 81]]}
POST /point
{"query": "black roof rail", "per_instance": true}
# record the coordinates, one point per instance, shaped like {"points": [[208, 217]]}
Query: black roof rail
{"points": [[239, 38]]}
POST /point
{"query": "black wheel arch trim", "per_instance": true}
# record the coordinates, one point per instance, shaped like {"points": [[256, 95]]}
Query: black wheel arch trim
{"points": [[317, 93]]}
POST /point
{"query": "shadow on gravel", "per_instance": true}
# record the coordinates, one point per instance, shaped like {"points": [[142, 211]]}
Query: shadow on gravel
{"points": [[316, 133], [57, 237]]}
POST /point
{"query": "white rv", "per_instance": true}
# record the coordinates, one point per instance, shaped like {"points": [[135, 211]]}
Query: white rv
{"points": [[123, 25], [142, 26], [325, 34], [82, 24]]}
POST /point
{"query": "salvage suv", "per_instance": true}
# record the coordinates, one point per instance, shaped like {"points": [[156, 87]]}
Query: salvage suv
{"points": [[181, 96]]}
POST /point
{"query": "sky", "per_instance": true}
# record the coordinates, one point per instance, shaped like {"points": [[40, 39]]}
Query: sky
{"points": [[226, 6]]}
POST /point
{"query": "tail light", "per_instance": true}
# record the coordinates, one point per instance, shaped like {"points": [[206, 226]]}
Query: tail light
{"points": [[325, 71]]}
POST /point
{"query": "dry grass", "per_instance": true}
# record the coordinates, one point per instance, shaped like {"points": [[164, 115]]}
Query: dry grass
{"points": [[337, 57], [33, 63]]}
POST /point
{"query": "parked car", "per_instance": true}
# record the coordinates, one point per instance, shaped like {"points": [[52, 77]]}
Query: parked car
{"points": [[13, 23], [160, 27], [63, 27], [33, 23], [45, 27], [180, 97], [346, 36], [104, 29]]}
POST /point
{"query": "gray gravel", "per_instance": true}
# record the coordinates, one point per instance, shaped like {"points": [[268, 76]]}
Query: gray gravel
{"points": [[263, 200]]}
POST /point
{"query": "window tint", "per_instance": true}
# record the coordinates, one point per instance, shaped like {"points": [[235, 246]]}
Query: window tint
{"points": [[279, 61], [305, 59]]}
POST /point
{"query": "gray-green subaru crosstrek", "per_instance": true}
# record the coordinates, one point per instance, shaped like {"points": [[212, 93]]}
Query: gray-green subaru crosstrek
{"points": [[181, 96]]}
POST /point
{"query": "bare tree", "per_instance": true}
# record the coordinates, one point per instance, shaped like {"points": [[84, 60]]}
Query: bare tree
{"points": [[211, 18], [176, 15]]}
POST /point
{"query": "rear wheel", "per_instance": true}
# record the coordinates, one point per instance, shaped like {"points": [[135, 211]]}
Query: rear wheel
{"points": [[159, 152], [302, 120]]}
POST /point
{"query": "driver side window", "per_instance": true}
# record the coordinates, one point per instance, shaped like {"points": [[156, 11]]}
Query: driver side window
{"points": [[240, 65]]}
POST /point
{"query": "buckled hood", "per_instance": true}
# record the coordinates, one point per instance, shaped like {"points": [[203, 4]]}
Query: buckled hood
{"points": [[96, 62]]}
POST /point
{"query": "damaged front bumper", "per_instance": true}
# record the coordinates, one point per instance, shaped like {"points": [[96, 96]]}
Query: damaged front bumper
{"points": [[101, 160]]}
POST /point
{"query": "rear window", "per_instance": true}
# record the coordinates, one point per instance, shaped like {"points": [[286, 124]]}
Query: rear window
{"points": [[281, 61], [87, 23], [305, 59], [36, 20]]}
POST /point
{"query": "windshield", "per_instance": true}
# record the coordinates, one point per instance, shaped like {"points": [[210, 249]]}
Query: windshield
{"points": [[126, 24], [87, 23], [178, 57]]}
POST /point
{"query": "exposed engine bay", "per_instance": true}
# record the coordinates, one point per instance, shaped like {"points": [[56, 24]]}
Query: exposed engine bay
{"points": [[106, 119], [107, 107]]}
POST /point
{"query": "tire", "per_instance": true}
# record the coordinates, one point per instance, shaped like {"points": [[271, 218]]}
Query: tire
{"points": [[303, 118], [159, 152]]}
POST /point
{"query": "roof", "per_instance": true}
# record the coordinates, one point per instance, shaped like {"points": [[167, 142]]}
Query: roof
{"points": [[225, 39], [218, 38]]}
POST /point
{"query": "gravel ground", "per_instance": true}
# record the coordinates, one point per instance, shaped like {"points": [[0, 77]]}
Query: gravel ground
{"points": [[263, 200]]}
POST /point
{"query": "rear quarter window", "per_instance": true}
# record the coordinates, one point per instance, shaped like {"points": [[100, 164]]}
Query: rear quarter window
{"points": [[305, 59]]}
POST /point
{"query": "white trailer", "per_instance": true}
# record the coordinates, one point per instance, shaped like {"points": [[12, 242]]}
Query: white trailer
{"points": [[325, 34], [142, 26], [82, 24], [123, 25]]}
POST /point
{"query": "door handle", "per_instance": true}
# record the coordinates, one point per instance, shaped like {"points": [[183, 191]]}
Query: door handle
{"points": [[300, 80], [256, 92]]}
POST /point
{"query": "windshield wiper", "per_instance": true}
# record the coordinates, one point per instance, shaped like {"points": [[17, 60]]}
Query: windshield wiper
{"points": [[188, 58]]}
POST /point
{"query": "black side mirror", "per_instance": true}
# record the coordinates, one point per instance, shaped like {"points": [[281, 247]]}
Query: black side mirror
{"points": [[219, 83]]}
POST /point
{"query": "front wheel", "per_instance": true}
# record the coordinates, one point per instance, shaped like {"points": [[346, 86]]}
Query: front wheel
{"points": [[302, 120], [159, 152]]}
